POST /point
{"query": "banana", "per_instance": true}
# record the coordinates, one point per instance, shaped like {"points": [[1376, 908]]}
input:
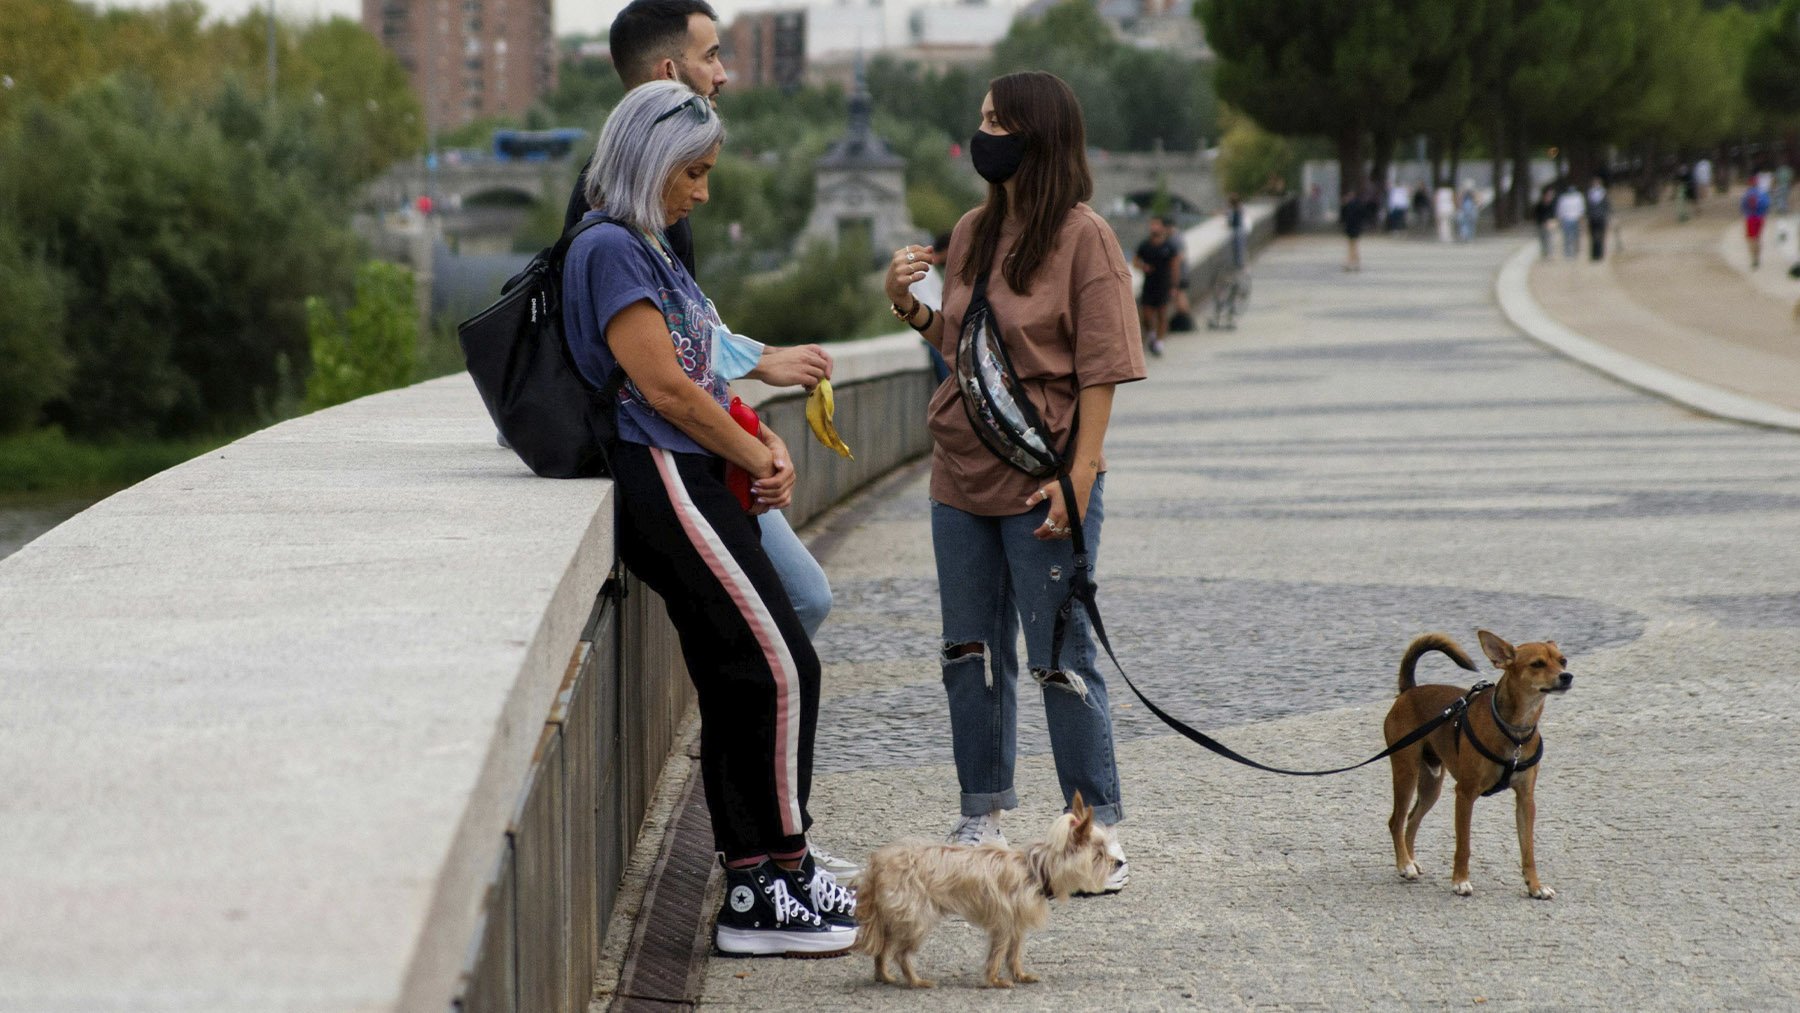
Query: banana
{"points": [[821, 405]]}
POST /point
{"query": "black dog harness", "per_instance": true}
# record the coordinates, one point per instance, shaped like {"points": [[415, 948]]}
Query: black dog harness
{"points": [[1509, 765]]}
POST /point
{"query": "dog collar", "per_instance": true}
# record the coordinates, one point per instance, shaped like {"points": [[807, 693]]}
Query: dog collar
{"points": [[1519, 736]]}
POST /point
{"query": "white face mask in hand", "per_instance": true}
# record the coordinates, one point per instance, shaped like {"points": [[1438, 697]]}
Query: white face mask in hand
{"points": [[733, 355]]}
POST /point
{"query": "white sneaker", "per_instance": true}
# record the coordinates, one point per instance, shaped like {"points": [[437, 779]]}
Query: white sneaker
{"points": [[978, 830], [842, 868], [1121, 873]]}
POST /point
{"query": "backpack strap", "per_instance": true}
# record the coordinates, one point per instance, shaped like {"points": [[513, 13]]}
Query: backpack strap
{"points": [[608, 394], [567, 239]]}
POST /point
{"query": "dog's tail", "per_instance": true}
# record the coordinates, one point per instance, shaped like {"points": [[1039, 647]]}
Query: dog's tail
{"points": [[871, 934], [1424, 645]]}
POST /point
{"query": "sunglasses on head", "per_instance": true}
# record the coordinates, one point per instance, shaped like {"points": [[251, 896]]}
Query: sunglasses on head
{"points": [[696, 105]]}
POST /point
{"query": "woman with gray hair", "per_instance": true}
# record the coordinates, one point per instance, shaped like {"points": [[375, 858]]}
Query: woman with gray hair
{"points": [[630, 304]]}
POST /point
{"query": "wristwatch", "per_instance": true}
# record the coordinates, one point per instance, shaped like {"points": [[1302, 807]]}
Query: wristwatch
{"points": [[905, 316]]}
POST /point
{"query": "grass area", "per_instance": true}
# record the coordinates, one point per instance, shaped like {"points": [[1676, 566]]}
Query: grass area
{"points": [[46, 460]]}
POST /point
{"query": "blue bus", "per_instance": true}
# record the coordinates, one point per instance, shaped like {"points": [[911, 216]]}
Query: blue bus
{"points": [[536, 145]]}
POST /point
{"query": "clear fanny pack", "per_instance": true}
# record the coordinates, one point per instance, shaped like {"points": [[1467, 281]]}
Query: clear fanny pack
{"points": [[994, 398]]}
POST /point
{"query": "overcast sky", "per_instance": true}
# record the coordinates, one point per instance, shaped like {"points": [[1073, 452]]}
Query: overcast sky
{"points": [[585, 16]]}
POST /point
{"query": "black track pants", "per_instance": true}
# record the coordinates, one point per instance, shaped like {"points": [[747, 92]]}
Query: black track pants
{"points": [[682, 532]]}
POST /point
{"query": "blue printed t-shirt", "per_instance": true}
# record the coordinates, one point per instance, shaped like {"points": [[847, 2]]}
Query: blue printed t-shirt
{"points": [[608, 268]]}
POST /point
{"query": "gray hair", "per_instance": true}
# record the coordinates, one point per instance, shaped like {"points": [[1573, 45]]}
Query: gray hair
{"points": [[637, 156]]}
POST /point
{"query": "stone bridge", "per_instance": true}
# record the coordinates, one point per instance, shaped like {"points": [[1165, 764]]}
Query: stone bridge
{"points": [[1118, 176], [457, 183]]}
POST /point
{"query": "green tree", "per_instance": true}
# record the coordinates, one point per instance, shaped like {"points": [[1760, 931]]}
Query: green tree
{"points": [[35, 367], [1321, 67], [585, 90], [368, 347], [1772, 69], [949, 100], [186, 255], [46, 48], [1073, 42], [825, 295], [1250, 155]]}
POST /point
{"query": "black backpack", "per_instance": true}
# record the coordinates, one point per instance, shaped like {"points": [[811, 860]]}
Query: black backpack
{"points": [[558, 424]]}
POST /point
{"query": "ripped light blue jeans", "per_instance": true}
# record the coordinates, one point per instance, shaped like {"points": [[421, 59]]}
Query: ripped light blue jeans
{"points": [[994, 578]]}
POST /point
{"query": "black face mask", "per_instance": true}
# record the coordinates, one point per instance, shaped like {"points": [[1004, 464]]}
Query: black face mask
{"points": [[996, 156]]}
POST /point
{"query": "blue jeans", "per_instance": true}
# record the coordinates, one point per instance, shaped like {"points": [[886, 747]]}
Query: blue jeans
{"points": [[993, 575], [801, 575], [1571, 237]]}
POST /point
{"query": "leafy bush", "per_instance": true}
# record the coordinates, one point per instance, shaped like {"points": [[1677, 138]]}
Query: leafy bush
{"points": [[185, 248], [824, 296], [1250, 156], [367, 348], [35, 367], [47, 459]]}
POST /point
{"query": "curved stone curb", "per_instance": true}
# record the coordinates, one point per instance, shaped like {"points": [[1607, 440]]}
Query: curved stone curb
{"points": [[1512, 290]]}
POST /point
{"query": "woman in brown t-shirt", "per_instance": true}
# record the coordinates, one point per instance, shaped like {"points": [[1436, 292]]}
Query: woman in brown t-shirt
{"points": [[1061, 291]]}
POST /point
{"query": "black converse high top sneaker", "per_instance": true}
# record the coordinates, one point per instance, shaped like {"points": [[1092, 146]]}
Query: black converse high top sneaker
{"points": [[764, 915], [834, 902]]}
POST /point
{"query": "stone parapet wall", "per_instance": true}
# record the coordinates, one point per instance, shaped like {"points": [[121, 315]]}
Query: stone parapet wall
{"points": [[335, 717]]}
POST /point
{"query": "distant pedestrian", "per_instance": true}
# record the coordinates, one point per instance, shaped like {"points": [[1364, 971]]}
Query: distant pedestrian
{"points": [[1181, 311], [1351, 214], [1443, 211], [1466, 212], [1784, 182], [1160, 260], [1421, 207], [1240, 238], [1755, 205], [1544, 213], [1599, 213], [1399, 199], [1571, 208], [1684, 191], [1703, 182]]}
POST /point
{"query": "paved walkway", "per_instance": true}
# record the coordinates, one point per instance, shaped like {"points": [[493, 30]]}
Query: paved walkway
{"points": [[1369, 457]]}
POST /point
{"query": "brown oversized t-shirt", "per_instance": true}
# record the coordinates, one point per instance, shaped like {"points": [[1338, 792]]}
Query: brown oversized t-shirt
{"points": [[1077, 328]]}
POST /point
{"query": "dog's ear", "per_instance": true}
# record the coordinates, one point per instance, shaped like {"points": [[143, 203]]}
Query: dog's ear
{"points": [[1084, 818], [1498, 651]]}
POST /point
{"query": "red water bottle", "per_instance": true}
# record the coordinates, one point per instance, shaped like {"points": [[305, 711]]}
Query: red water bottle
{"points": [[736, 478]]}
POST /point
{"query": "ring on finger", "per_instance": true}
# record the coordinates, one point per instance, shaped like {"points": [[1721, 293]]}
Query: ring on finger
{"points": [[910, 257]]}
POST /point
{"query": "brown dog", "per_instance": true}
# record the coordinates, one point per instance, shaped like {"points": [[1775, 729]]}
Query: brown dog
{"points": [[1493, 745]]}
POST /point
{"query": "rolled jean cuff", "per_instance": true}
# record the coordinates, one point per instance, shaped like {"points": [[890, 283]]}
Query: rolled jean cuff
{"points": [[998, 801], [1109, 814]]}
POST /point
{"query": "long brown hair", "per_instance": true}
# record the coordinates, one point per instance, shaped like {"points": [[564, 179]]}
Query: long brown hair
{"points": [[1053, 175]]}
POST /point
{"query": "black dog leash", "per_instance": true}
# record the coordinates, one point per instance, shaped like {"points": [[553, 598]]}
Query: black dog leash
{"points": [[1083, 589]]}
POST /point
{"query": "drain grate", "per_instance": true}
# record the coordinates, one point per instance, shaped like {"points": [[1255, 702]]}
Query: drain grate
{"points": [[666, 965]]}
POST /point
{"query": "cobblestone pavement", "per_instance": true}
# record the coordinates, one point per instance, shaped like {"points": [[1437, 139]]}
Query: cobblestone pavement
{"points": [[1371, 456]]}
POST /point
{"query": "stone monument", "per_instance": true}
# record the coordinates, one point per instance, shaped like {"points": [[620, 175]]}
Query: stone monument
{"points": [[859, 193]]}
